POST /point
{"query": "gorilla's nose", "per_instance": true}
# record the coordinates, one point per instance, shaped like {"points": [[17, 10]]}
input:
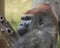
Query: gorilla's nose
{"points": [[22, 29]]}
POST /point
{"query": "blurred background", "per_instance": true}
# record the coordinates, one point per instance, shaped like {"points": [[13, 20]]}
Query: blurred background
{"points": [[15, 8]]}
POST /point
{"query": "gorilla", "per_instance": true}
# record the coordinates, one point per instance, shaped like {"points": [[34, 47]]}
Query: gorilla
{"points": [[42, 30], [23, 26]]}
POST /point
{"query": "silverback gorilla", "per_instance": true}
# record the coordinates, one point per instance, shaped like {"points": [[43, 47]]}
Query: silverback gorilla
{"points": [[42, 31]]}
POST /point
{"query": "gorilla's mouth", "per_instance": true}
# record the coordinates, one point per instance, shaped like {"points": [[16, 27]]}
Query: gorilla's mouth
{"points": [[22, 31]]}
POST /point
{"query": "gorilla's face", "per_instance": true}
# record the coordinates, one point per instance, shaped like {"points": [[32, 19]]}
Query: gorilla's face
{"points": [[25, 21], [24, 24]]}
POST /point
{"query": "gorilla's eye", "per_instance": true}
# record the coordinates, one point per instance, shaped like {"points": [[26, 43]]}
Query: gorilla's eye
{"points": [[26, 18], [43, 14], [40, 21]]}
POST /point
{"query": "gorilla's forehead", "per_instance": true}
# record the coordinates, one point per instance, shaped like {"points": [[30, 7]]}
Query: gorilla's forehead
{"points": [[27, 17]]}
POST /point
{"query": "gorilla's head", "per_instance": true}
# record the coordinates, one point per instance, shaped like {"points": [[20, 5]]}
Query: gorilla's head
{"points": [[24, 24]]}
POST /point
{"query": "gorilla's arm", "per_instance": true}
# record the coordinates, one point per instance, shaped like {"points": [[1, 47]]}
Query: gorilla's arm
{"points": [[35, 39], [19, 43]]}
